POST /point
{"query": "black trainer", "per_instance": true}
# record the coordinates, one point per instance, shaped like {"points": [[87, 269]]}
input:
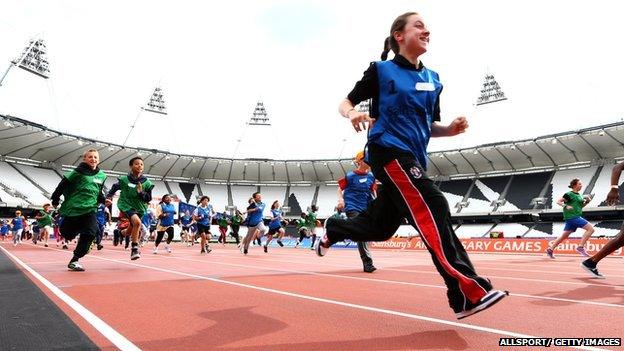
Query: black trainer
{"points": [[135, 254], [266, 249], [75, 266], [369, 268], [590, 266], [492, 297], [280, 243]]}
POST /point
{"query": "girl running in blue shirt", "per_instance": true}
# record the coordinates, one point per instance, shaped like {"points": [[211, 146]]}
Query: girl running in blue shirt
{"points": [[405, 110]]}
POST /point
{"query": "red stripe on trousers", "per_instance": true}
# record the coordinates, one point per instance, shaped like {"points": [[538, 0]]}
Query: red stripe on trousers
{"points": [[421, 214]]}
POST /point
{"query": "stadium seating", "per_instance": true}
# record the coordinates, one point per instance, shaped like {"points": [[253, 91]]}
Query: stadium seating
{"points": [[14, 180], [512, 230], [302, 196], [603, 186], [241, 195], [218, 196], [327, 200], [562, 179], [272, 193], [473, 230], [45, 178], [526, 187], [454, 191]]}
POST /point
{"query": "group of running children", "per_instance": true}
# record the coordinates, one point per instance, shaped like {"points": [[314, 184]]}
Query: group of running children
{"points": [[404, 115]]}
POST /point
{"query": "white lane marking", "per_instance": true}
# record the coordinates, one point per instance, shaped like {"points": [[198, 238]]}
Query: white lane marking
{"points": [[335, 302], [109, 333]]}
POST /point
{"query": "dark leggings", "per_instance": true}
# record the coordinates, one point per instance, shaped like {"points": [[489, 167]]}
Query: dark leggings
{"points": [[100, 233], [408, 193], [302, 235], [160, 234], [234, 233]]}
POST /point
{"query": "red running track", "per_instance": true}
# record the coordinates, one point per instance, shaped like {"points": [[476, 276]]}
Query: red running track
{"points": [[289, 299]]}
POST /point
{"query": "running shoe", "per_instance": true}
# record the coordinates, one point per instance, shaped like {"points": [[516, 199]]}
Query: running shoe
{"points": [[155, 251], [266, 250], [65, 247], [168, 249], [46, 245], [280, 243], [369, 268], [321, 246], [75, 266], [492, 297], [590, 266], [549, 253], [582, 251], [99, 247], [135, 254]]}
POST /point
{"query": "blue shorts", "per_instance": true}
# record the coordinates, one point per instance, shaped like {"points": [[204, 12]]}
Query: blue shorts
{"points": [[571, 225]]}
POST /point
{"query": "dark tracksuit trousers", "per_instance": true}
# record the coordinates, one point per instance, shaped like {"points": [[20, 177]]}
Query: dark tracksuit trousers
{"points": [[87, 226], [365, 255], [235, 229], [161, 234], [408, 193]]}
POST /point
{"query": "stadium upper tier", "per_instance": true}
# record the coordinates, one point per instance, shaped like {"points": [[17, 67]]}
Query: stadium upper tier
{"points": [[22, 139]]}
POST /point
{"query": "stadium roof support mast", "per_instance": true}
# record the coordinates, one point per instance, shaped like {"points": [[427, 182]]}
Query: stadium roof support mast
{"points": [[258, 118], [33, 60], [156, 104]]}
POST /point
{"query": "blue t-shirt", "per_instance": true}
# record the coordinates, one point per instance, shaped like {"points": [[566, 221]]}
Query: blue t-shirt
{"points": [[186, 220], [276, 221], [255, 217], [169, 209], [203, 215], [17, 223], [146, 219], [4, 229], [407, 103], [357, 190], [101, 214]]}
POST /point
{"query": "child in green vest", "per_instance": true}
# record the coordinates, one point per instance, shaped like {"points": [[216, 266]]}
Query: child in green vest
{"points": [[82, 192], [136, 193], [44, 218]]}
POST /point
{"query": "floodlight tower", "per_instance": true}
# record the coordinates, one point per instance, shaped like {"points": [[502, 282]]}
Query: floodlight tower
{"points": [[490, 92], [156, 104], [259, 117], [33, 60]]}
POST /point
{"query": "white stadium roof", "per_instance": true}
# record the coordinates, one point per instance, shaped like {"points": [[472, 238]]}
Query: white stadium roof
{"points": [[22, 140]]}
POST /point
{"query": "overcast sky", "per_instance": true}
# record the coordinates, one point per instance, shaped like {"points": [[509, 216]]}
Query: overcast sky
{"points": [[559, 63]]}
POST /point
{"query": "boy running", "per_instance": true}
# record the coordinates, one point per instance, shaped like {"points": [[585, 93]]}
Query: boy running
{"points": [[82, 190], [136, 193]]}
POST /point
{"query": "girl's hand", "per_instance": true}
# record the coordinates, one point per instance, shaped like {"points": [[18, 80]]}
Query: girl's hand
{"points": [[340, 206], [359, 120], [139, 187], [458, 126]]}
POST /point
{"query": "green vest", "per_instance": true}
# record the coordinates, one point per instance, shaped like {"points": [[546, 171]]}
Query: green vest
{"points": [[301, 223], [575, 200], [129, 198], [236, 220], [223, 222], [45, 220], [81, 195], [311, 220]]}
